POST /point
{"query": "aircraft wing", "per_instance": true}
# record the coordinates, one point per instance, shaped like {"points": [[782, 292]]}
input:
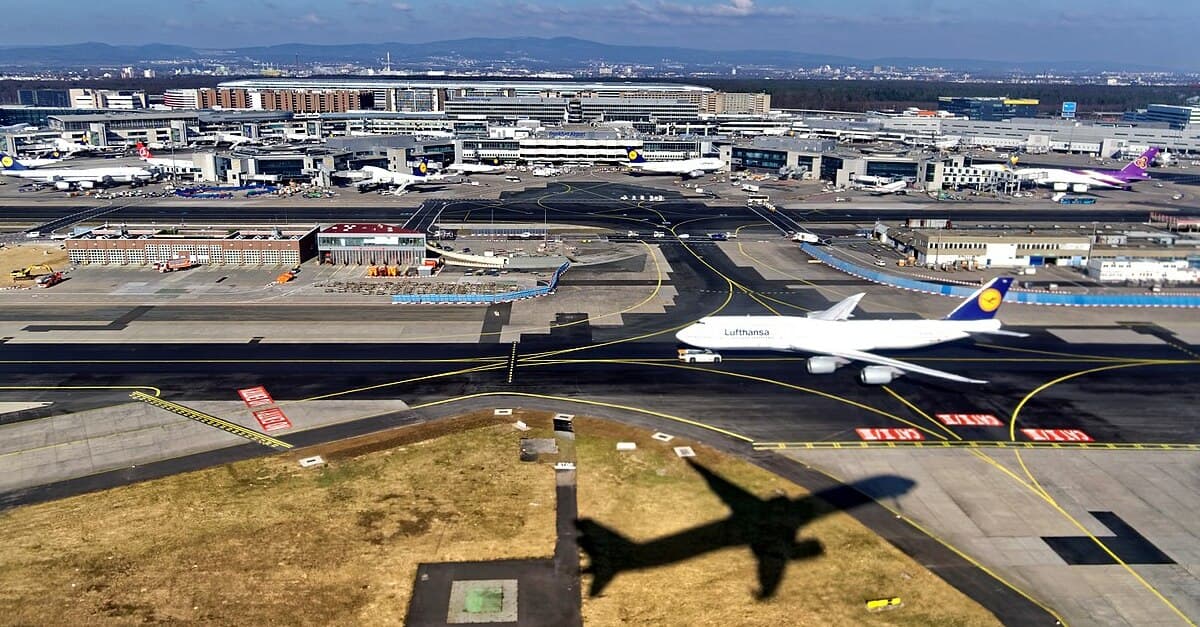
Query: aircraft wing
{"points": [[734, 497], [840, 311], [1000, 332], [880, 360]]}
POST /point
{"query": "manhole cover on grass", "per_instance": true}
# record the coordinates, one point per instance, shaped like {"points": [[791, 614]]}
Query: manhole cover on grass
{"points": [[487, 600], [483, 601]]}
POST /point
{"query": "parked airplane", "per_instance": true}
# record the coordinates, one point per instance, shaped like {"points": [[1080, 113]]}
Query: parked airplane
{"points": [[837, 341], [869, 179], [883, 189], [768, 527], [378, 177], [168, 165], [1063, 179], [41, 163], [474, 168], [222, 138], [83, 178], [686, 168], [69, 148]]}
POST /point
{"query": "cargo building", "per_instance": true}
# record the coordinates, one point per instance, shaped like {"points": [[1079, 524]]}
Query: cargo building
{"points": [[140, 245]]}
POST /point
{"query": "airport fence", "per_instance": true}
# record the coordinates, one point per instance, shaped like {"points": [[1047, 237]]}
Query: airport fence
{"points": [[1013, 296], [482, 299]]}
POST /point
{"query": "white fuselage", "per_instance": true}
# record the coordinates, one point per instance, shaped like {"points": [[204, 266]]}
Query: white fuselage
{"points": [[94, 175], [1089, 178], [679, 168], [36, 163], [790, 333], [380, 176], [475, 168]]}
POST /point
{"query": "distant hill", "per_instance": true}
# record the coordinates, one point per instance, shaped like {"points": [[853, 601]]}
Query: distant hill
{"points": [[532, 52]]}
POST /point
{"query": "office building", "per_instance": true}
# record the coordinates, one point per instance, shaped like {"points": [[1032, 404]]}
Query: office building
{"points": [[126, 128], [1174, 116], [738, 103], [44, 98], [127, 99], [988, 108]]}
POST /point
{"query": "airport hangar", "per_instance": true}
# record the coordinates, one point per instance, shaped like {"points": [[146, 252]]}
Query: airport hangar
{"points": [[346, 243]]}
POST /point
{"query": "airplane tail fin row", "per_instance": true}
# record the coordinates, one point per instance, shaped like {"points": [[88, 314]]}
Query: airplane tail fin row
{"points": [[1138, 166], [984, 303], [8, 162]]}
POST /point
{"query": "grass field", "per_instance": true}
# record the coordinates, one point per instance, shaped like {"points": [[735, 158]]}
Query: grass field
{"points": [[266, 542]]}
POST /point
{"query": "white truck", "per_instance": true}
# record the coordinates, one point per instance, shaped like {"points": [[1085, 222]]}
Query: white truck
{"points": [[699, 356], [801, 236]]}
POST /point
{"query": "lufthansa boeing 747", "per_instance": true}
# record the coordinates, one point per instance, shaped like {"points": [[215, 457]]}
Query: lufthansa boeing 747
{"points": [[835, 341]]}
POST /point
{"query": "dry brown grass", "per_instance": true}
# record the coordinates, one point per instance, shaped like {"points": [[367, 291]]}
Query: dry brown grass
{"points": [[22, 255], [265, 542], [650, 493]]}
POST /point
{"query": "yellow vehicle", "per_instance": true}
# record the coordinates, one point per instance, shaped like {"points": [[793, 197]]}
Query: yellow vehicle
{"points": [[30, 272]]}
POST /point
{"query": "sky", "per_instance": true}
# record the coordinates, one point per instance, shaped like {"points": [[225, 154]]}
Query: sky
{"points": [[1036, 30]]}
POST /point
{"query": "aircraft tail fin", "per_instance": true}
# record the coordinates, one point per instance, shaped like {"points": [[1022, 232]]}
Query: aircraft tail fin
{"points": [[8, 162], [606, 550], [1138, 166], [635, 155], [984, 303], [144, 151], [421, 169]]}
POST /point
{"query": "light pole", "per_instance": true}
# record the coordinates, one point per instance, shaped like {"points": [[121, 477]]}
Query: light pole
{"points": [[1091, 246]]}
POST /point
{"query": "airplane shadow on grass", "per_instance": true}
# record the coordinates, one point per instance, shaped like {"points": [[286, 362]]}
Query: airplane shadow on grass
{"points": [[767, 526]]}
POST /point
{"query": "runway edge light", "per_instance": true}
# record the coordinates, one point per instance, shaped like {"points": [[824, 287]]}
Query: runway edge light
{"points": [[880, 605]]}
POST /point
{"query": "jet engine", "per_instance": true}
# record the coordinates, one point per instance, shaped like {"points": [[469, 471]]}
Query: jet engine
{"points": [[86, 184], [824, 365], [1079, 188], [878, 375], [62, 186]]}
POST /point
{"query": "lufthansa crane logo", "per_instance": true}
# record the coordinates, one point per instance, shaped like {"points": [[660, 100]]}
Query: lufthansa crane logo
{"points": [[989, 300], [6, 161], [633, 154], [423, 167], [1141, 162]]}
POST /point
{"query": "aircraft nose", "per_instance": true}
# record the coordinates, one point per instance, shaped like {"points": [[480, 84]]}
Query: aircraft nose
{"points": [[687, 334]]}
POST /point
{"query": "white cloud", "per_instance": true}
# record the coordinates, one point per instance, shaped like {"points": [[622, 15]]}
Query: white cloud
{"points": [[729, 8], [312, 19], [402, 6]]}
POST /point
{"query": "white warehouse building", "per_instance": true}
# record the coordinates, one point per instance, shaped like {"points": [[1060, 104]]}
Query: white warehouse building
{"points": [[1123, 269]]}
